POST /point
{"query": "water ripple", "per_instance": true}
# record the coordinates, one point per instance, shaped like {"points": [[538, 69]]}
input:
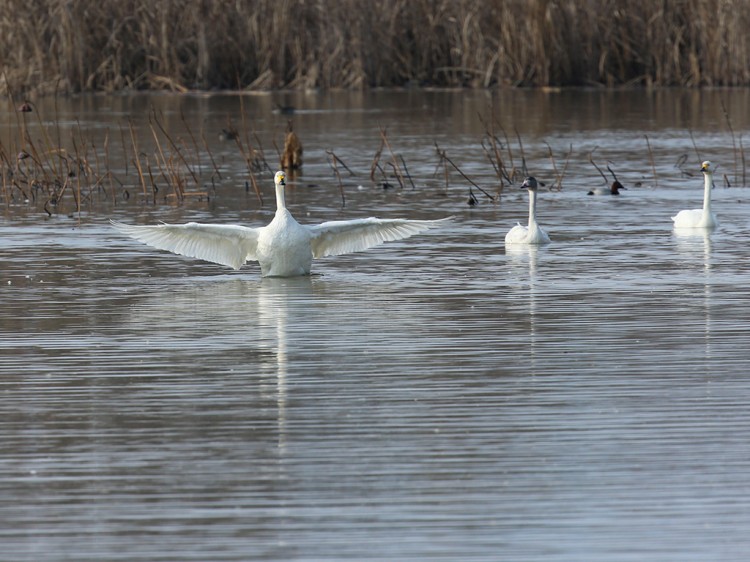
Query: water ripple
{"points": [[443, 398]]}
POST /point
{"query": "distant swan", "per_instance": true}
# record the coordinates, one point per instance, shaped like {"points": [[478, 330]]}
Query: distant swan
{"points": [[532, 234], [283, 248], [699, 218], [614, 189]]}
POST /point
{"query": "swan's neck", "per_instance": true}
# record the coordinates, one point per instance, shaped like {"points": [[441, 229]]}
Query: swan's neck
{"points": [[532, 207], [280, 201], [708, 183]]}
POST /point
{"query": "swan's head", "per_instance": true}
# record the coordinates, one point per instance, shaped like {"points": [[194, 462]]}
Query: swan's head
{"points": [[280, 178], [530, 183], [707, 167]]}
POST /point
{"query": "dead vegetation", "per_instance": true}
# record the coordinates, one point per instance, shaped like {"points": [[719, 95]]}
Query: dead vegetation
{"points": [[291, 157], [64, 169], [69, 169], [264, 44]]}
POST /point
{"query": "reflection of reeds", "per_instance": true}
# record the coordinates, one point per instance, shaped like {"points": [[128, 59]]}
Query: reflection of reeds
{"points": [[169, 44]]}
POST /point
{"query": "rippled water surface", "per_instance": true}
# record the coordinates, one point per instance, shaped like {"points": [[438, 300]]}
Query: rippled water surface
{"points": [[440, 398]]}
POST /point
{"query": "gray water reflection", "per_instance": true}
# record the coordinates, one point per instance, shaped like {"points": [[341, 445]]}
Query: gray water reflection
{"points": [[442, 398], [695, 245]]}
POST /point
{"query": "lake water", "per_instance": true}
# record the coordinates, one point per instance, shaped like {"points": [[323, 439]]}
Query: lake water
{"points": [[440, 398]]}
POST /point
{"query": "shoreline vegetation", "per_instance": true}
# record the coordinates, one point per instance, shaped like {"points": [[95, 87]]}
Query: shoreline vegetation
{"points": [[60, 169], [63, 47], [69, 172]]}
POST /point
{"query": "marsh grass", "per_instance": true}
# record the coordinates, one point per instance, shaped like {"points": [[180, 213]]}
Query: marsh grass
{"points": [[42, 170], [265, 44], [44, 165], [333, 162], [63, 169]]}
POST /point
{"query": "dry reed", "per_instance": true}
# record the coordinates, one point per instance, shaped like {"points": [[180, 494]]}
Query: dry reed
{"points": [[41, 165], [58, 45], [445, 161], [333, 162]]}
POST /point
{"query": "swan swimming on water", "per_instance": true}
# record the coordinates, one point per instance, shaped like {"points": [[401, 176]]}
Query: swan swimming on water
{"points": [[283, 248], [533, 233], [699, 218]]}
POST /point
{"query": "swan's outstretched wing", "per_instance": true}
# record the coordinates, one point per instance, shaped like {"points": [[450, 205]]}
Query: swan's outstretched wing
{"points": [[225, 244], [342, 237]]}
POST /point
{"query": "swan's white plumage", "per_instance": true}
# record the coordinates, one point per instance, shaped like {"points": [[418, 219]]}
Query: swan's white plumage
{"points": [[283, 248], [533, 233], [229, 245], [699, 218], [521, 234], [343, 237]]}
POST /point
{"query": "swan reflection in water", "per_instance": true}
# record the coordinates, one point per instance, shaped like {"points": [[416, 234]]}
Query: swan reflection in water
{"points": [[694, 244], [524, 259], [283, 303], [243, 330]]}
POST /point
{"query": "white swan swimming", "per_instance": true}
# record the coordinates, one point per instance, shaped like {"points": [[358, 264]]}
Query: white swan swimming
{"points": [[283, 248], [700, 218], [533, 233], [614, 189]]}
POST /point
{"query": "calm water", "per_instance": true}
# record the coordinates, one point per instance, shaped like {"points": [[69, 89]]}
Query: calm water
{"points": [[439, 398]]}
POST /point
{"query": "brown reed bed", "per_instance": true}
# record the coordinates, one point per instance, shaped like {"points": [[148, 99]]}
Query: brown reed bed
{"points": [[264, 44], [66, 171]]}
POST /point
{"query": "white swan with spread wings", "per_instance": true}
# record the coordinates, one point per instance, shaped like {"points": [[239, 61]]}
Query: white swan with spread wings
{"points": [[283, 248]]}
